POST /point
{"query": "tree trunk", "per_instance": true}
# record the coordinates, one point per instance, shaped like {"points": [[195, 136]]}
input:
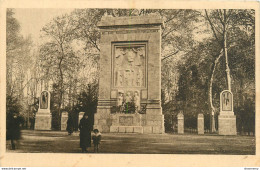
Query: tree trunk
{"points": [[226, 59], [61, 84], [225, 50], [212, 109]]}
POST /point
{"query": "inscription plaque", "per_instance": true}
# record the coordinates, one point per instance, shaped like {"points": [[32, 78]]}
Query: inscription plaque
{"points": [[126, 120]]}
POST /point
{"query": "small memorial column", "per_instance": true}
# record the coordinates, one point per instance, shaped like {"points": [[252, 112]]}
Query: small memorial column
{"points": [[64, 119], [200, 124], [180, 123]]}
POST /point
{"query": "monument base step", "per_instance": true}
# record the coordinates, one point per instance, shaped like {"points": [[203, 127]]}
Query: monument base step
{"points": [[43, 121], [227, 125], [126, 129]]}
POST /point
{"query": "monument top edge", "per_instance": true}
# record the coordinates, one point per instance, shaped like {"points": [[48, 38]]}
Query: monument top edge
{"points": [[109, 21]]}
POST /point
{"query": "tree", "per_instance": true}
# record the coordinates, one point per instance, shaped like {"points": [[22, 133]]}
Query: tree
{"points": [[18, 58], [87, 101], [58, 59], [224, 25], [203, 67]]}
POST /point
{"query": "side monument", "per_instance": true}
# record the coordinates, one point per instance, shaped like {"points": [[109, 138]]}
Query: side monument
{"points": [[130, 75], [43, 116], [226, 118]]}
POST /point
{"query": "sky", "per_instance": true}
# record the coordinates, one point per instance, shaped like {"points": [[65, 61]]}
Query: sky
{"points": [[32, 20]]}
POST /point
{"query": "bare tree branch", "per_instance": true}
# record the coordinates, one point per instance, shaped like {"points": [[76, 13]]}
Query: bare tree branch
{"points": [[169, 55], [212, 26]]}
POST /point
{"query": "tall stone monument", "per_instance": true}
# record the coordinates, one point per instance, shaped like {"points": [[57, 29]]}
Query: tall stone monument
{"points": [[130, 75], [226, 118], [43, 116]]}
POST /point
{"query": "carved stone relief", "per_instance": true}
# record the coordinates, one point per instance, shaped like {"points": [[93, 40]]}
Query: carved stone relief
{"points": [[137, 101], [129, 66], [226, 101], [44, 100], [128, 102]]}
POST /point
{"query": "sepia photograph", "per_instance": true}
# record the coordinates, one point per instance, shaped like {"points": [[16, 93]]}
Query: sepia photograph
{"points": [[93, 81]]}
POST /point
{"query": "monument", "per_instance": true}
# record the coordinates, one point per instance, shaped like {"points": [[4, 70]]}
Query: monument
{"points": [[130, 75], [226, 118], [43, 116]]}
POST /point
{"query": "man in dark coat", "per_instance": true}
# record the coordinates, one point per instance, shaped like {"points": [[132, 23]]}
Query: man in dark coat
{"points": [[13, 129], [70, 125], [85, 128]]}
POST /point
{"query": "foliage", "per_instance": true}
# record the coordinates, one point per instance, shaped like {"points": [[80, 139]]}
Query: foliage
{"points": [[87, 102], [196, 70], [18, 58]]}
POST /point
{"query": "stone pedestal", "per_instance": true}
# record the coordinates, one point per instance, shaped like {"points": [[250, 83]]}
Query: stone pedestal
{"points": [[180, 117], [200, 124], [43, 120], [43, 116], [130, 75], [154, 119], [64, 119], [227, 124], [226, 118]]}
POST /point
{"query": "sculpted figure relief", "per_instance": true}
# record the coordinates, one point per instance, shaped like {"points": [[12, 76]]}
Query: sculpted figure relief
{"points": [[137, 101], [128, 97], [129, 77], [129, 66], [44, 100], [119, 56], [120, 102], [119, 76], [128, 102], [130, 57], [139, 78], [139, 55], [226, 101]]}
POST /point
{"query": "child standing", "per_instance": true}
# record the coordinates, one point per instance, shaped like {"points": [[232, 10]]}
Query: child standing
{"points": [[96, 139]]}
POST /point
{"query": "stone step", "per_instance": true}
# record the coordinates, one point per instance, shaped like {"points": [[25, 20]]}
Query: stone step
{"points": [[126, 129]]}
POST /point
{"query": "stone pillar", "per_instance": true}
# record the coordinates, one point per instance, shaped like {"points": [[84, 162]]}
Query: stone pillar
{"points": [[64, 119], [226, 118], [130, 71], [180, 117], [200, 124], [43, 116]]}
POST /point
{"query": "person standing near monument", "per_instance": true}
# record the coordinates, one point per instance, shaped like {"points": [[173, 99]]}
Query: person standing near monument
{"points": [[85, 128], [13, 129], [70, 125], [96, 139]]}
